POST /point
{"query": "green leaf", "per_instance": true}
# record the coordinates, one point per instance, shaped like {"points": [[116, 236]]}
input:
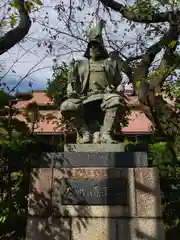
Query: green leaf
{"points": [[3, 131], [4, 99], [3, 219], [178, 105], [38, 2], [172, 44], [14, 4], [12, 20], [3, 23], [137, 84], [28, 6]]}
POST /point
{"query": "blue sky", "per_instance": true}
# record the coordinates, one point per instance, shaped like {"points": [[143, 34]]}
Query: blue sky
{"points": [[32, 64], [26, 60], [19, 61], [24, 85]]}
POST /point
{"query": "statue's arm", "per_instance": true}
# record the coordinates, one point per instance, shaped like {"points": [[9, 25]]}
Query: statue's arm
{"points": [[117, 79], [73, 78], [116, 84], [127, 70], [121, 66]]}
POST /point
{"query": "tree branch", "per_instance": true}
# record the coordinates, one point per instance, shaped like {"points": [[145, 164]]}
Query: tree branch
{"points": [[155, 107], [142, 69], [18, 33], [166, 67], [123, 64], [169, 62], [138, 17], [145, 90]]}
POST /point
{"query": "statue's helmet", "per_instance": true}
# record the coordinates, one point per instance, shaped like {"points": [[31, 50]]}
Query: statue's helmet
{"points": [[95, 36]]}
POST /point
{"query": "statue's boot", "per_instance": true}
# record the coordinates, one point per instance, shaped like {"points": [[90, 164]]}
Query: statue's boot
{"points": [[84, 135], [108, 126]]}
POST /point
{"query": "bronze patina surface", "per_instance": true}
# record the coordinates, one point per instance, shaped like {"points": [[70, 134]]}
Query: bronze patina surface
{"points": [[95, 92]]}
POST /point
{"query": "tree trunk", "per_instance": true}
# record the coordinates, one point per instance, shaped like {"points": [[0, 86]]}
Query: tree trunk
{"points": [[18, 33]]}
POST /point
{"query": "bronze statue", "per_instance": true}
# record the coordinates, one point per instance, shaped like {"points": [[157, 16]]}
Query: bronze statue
{"points": [[95, 93]]}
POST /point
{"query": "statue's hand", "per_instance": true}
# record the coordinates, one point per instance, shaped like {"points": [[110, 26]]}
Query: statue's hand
{"points": [[72, 95], [110, 89], [120, 88]]}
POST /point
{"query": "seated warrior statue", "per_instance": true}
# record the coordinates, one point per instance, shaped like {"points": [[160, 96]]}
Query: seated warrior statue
{"points": [[97, 79]]}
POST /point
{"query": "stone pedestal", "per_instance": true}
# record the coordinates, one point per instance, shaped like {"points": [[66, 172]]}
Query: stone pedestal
{"points": [[94, 147], [95, 195]]}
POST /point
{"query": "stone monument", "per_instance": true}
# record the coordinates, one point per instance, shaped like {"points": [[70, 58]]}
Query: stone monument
{"points": [[95, 189]]}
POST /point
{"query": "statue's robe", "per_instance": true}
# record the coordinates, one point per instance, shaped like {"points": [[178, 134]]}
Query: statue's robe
{"points": [[91, 81]]}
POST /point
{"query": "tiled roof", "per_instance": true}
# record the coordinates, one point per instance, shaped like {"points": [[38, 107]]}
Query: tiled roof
{"points": [[138, 123], [50, 120], [38, 96]]}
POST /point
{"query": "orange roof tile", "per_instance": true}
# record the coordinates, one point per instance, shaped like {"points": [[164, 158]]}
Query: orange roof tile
{"points": [[39, 97], [138, 122]]}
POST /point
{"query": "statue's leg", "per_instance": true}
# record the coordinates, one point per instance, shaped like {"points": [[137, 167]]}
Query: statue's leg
{"points": [[108, 125], [82, 130], [72, 109], [93, 118], [111, 105]]}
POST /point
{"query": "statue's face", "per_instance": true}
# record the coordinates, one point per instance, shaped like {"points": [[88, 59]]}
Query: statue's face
{"points": [[95, 50]]}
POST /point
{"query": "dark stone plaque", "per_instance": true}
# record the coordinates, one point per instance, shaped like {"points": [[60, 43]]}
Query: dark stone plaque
{"points": [[89, 159], [95, 192], [101, 159]]}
